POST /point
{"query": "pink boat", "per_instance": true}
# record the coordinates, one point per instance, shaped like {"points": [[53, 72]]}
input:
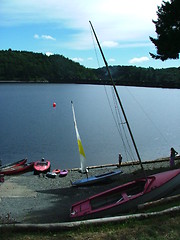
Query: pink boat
{"points": [[127, 197], [42, 166], [63, 173]]}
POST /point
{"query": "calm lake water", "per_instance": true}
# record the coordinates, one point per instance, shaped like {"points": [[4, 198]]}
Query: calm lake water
{"points": [[30, 126]]}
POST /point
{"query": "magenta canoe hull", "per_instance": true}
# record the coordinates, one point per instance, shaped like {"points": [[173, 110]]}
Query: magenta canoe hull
{"points": [[127, 197]]}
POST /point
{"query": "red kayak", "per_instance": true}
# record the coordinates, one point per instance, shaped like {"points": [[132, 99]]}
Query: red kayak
{"points": [[14, 164], [42, 166], [18, 169], [57, 171]]}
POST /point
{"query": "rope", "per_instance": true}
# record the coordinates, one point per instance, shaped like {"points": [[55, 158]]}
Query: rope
{"points": [[120, 125], [148, 117]]}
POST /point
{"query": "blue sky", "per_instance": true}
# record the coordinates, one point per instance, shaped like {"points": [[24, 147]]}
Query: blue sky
{"points": [[62, 27]]}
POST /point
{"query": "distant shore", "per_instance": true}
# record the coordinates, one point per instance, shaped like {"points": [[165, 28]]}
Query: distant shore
{"points": [[149, 85]]}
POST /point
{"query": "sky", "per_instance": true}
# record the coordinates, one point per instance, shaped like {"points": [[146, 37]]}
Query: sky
{"points": [[62, 27]]}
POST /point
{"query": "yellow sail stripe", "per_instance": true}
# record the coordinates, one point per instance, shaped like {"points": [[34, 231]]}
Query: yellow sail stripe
{"points": [[81, 150]]}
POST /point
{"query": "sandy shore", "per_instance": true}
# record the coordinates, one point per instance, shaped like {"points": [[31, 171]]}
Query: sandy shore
{"points": [[28, 198]]}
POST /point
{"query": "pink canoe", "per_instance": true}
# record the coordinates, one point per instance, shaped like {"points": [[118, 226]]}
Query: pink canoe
{"points": [[127, 197]]}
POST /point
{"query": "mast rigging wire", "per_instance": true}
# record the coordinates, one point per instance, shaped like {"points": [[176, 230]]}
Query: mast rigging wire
{"points": [[117, 117]]}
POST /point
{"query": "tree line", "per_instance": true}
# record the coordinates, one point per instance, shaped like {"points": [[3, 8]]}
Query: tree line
{"points": [[23, 66]]}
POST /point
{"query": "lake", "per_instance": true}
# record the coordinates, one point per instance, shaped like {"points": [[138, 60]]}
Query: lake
{"points": [[31, 127]]}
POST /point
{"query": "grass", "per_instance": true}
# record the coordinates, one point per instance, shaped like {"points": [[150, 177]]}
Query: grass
{"points": [[159, 228]]}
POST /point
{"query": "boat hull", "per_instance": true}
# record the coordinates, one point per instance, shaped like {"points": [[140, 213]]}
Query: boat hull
{"points": [[63, 173], [125, 198], [14, 164], [23, 168], [110, 176], [57, 171], [42, 167], [51, 175]]}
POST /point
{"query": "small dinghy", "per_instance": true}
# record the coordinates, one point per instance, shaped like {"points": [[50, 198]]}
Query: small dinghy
{"points": [[42, 166], [57, 171], [51, 174], [63, 173]]}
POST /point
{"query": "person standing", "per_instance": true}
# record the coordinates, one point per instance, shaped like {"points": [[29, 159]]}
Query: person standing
{"points": [[120, 159], [172, 157]]}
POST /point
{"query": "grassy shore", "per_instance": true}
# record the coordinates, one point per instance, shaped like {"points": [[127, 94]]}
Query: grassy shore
{"points": [[156, 228]]}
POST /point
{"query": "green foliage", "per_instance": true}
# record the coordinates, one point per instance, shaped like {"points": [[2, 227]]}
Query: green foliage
{"points": [[25, 66], [22, 66], [137, 76], [168, 31]]}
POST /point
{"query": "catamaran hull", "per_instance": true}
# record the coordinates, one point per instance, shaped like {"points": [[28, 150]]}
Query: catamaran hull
{"points": [[101, 205], [110, 176]]}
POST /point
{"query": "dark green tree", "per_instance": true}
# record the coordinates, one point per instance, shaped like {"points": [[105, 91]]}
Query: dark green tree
{"points": [[168, 31]]}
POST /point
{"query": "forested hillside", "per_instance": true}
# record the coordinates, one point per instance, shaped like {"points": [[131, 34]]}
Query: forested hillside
{"points": [[22, 66], [137, 76], [25, 66]]}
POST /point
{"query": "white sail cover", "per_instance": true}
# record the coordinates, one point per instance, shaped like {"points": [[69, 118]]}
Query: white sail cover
{"points": [[81, 150]]}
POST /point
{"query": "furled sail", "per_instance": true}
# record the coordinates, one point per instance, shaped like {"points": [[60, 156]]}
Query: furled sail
{"points": [[81, 150]]}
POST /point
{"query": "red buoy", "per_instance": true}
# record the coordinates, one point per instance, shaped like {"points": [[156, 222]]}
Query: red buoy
{"points": [[54, 104]]}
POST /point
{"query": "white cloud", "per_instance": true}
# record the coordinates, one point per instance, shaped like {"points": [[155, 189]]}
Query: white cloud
{"points": [[49, 53], [78, 59], [89, 58], [109, 44], [114, 21], [139, 60], [111, 60], [36, 36], [46, 37], [77, 13]]}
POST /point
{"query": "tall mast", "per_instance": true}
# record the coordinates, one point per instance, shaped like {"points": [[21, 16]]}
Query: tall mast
{"points": [[117, 95]]}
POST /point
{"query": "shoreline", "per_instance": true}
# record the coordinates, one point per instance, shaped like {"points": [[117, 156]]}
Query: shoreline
{"points": [[93, 83], [28, 198]]}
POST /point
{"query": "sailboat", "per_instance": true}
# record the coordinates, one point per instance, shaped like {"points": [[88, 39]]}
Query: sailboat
{"points": [[83, 169], [126, 197]]}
